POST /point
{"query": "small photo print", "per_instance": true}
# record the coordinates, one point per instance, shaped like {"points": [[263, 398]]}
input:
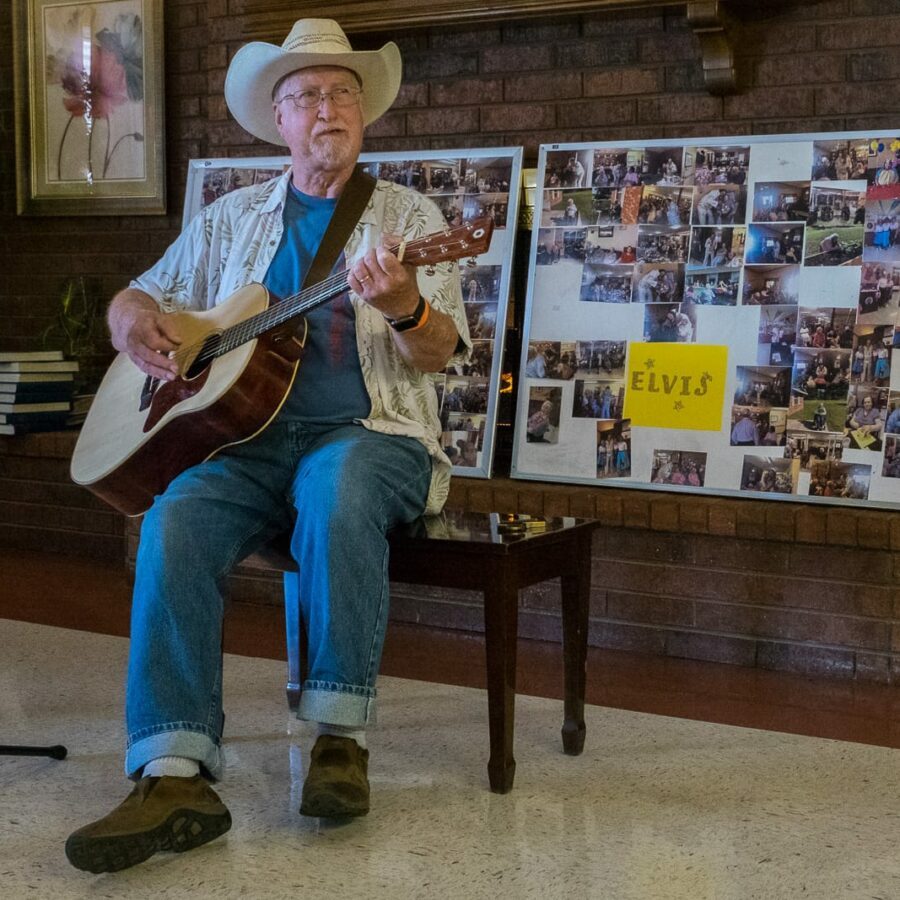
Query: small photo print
{"points": [[542, 426], [891, 467], [753, 426], [481, 284], [451, 207], [439, 381], [568, 169], [660, 244], [551, 359], [597, 398], [660, 205], [828, 328], [769, 475], [471, 425], [557, 245], [468, 395], [716, 287], [716, 165], [771, 285], [866, 415], [821, 374], [814, 416], [606, 284], [781, 201], [844, 160], [879, 294], [774, 244], [614, 245], [762, 387], [670, 323], [567, 209], [872, 347], [491, 206], [614, 449], [882, 229], [607, 206], [717, 248], [483, 175], [720, 204], [839, 479], [605, 358], [662, 165], [480, 361], [482, 319], [884, 161], [610, 166], [777, 335], [680, 468], [892, 423], [809, 447], [462, 448], [658, 283], [835, 229]]}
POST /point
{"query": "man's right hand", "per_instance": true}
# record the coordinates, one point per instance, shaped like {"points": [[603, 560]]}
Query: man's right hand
{"points": [[149, 336]]}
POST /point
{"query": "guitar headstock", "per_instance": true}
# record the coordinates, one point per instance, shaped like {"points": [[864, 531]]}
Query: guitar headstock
{"points": [[471, 238]]}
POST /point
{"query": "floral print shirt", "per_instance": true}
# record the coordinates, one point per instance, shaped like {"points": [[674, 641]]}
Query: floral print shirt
{"points": [[230, 244]]}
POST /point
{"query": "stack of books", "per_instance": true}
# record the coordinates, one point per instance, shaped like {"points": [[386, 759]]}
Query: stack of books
{"points": [[35, 391]]}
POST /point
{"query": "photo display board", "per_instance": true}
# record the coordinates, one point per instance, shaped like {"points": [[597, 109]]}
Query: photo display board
{"points": [[465, 184], [716, 315]]}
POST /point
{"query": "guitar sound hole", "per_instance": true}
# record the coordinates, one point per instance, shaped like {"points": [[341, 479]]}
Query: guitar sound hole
{"points": [[204, 358]]}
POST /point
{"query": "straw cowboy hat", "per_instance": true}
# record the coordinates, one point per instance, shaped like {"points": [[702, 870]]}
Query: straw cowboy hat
{"points": [[258, 67]]}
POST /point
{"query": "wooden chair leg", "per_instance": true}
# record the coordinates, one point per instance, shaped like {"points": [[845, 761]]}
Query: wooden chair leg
{"points": [[501, 599], [576, 590]]}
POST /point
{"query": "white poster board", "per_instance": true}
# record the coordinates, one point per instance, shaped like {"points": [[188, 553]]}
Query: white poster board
{"points": [[465, 184], [716, 315]]}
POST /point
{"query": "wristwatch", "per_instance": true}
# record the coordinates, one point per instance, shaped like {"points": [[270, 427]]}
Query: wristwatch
{"points": [[404, 323]]}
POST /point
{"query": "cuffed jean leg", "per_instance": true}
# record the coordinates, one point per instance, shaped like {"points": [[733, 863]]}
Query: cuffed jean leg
{"points": [[352, 486], [209, 518]]}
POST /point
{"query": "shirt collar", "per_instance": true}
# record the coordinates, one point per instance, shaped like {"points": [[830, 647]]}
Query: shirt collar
{"points": [[278, 197]]}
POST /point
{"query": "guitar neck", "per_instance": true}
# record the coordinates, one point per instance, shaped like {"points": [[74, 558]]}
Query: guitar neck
{"points": [[468, 239]]}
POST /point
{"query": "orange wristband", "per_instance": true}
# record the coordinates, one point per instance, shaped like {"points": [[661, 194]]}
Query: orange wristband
{"points": [[423, 321]]}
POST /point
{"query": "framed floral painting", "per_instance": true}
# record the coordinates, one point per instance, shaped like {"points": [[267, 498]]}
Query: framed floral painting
{"points": [[89, 107]]}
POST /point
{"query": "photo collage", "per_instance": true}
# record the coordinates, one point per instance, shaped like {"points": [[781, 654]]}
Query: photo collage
{"points": [[466, 187], [785, 249], [477, 183]]}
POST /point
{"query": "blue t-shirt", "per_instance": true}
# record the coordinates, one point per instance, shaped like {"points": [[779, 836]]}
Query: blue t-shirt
{"points": [[329, 388]]}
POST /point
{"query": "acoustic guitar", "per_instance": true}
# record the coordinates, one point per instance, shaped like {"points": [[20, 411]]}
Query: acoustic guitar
{"points": [[236, 365]]}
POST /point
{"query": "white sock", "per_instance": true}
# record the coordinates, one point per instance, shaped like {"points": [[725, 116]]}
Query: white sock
{"points": [[177, 766], [356, 734]]}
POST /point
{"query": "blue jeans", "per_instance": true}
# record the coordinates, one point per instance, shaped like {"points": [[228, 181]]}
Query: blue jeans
{"points": [[342, 489]]}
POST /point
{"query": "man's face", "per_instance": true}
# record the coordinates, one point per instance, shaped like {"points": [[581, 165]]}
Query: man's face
{"points": [[867, 404], [326, 137]]}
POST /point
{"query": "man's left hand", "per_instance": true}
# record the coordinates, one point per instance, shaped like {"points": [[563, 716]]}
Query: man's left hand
{"points": [[385, 283]]}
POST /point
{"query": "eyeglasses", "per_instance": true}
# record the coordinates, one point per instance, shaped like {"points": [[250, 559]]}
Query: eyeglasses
{"points": [[343, 96]]}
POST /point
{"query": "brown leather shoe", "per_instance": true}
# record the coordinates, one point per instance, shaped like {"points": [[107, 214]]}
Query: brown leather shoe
{"points": [[336, 784], [165, 813]]}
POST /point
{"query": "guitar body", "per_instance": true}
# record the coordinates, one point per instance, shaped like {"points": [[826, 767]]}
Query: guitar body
{"points": [[131, 446]]}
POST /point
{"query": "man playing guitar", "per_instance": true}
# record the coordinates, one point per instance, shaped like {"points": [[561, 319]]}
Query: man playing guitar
{"points": [[352, 451]]}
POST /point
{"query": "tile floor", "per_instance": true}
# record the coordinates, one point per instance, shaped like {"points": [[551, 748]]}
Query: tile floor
{"points": [[656, 807]]}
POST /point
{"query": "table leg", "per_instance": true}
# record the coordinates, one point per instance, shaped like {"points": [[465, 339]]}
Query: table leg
{"points": [[294, 634], [501, 602], [576, 589]]}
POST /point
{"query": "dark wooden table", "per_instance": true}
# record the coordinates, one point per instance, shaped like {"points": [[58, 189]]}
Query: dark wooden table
{"points": [[497, 554]]}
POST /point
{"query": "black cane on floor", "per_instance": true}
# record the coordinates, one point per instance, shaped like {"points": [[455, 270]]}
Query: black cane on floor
{"points": [[57, 751]]}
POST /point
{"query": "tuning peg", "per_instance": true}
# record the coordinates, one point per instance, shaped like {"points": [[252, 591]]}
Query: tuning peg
{"points": [[470, 262], [429, 270]]}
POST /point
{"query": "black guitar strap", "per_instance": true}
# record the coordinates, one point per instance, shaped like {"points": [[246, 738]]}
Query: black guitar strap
{"points": [[350, 207]]}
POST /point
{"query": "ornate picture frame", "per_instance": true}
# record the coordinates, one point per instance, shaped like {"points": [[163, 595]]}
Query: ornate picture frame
{"points": [[90, 130]]}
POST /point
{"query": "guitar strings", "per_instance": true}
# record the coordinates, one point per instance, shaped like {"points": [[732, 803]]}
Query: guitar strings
{"points": [[287, 309]]}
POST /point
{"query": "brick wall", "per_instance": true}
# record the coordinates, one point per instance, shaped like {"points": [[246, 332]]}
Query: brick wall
{"points": [[779, 585]]}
